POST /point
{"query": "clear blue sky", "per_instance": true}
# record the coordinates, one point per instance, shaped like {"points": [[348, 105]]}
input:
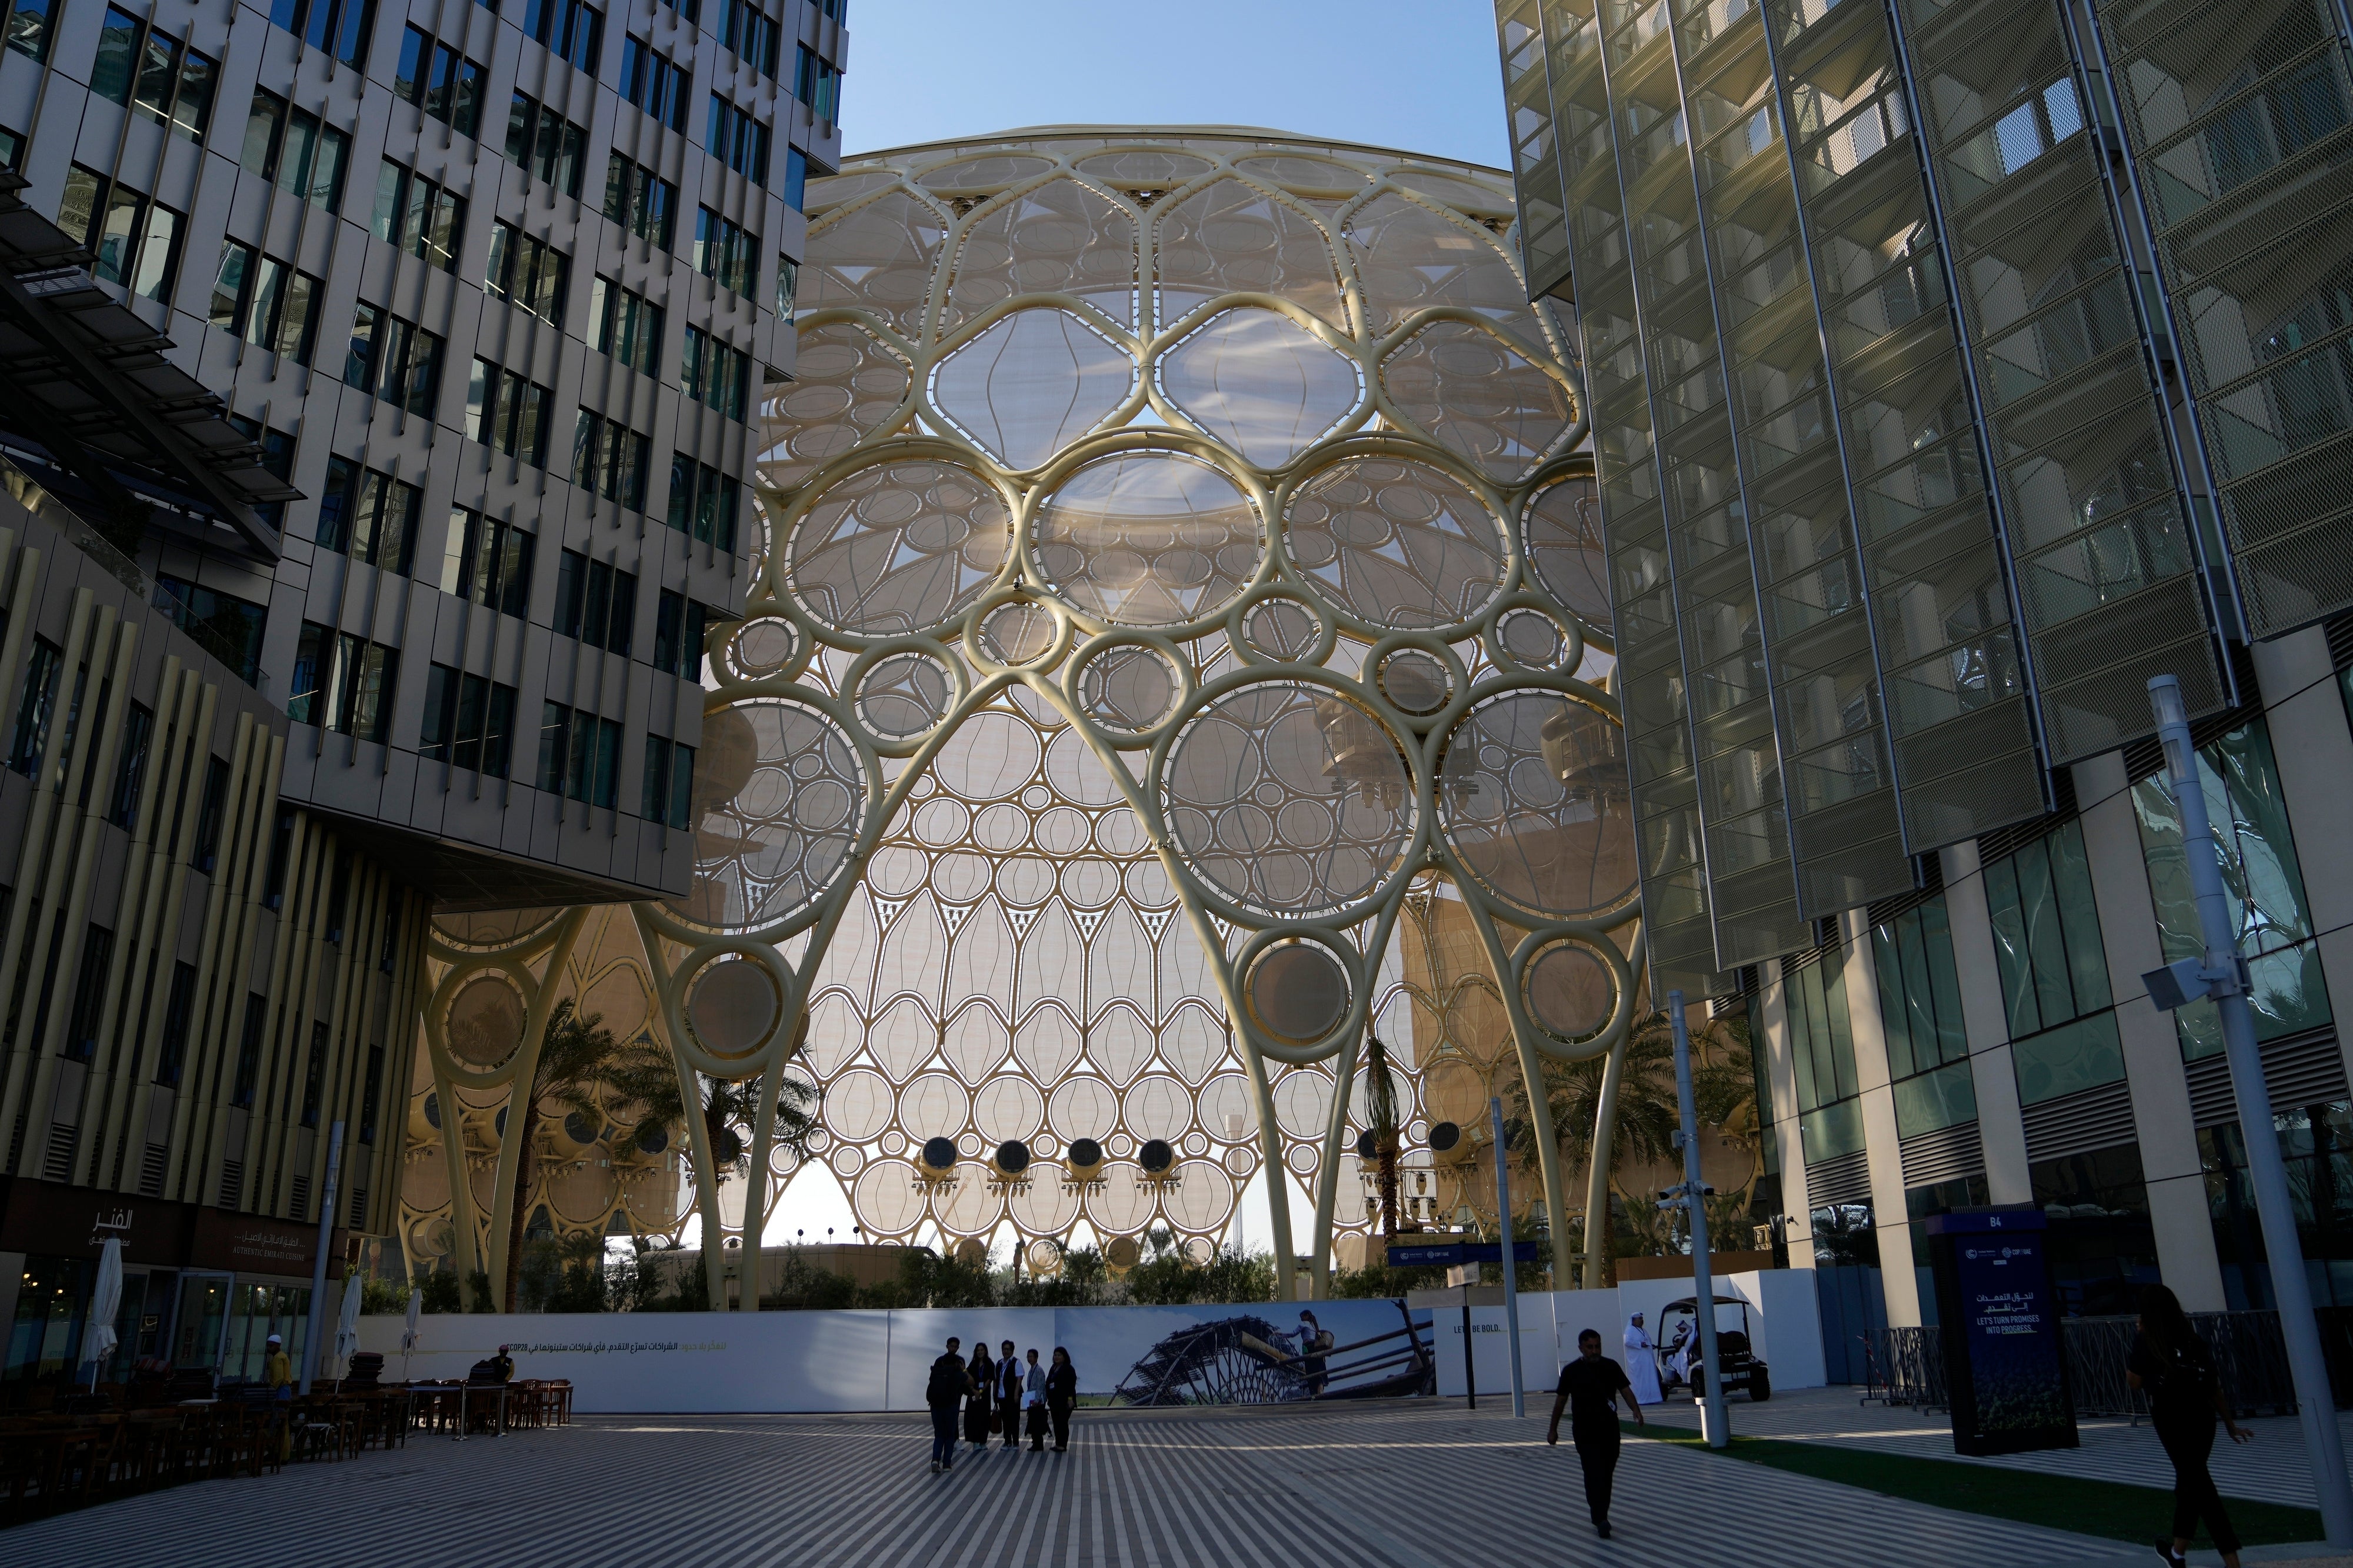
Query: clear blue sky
{"points": [[1423, 76]]}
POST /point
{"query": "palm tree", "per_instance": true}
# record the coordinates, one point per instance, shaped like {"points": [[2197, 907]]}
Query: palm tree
{"points": [[1381, 1121], [1723, 1093], [645, 1077], [575, 1052]]}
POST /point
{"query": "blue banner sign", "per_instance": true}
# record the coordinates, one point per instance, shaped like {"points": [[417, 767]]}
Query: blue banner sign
{"points": [[2005, 1368], [1454, 1254]]}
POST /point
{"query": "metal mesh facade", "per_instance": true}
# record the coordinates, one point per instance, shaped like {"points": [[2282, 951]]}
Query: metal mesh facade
{"points": [[1899, 510], [1177, 651]]}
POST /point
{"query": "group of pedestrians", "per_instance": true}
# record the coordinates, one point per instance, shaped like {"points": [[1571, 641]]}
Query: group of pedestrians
{"points": [[998, 1395]]}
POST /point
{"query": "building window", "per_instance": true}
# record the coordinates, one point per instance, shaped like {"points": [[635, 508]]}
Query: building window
{"points": [[228, 629], [28, 28], [440, 81], [368, 515], [2055, 974], [36, 706], [1821, 1050], [418, 215], [154, 74], [211, 811], [679, 626], [610, 459], [136, 241], [2316, 1142], [1920, 1004], [292, 147], [737, 140], [626, 325], [487, 563], [179, 1018], [344, 683], [545, 144], [340, 26], [90, 994], [314, 1078], [641, 201], [669, 781], [818, 83], [248, 1050], [371, 1094], [528, 272], [130, 767], [2263, 881], [579, 755], [267, 302], [715, 374], [724, 252], [594, 602], [753, 36], [2100, 1244], [571, 30], [796, 178], [789, 283], [468, 722], [399, 360], [703, 502], [507, 413], [654, 84], [277, 446]]}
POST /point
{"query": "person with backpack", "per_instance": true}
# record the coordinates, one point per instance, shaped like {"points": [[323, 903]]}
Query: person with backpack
{"points": [[2173, 1366], [944, 1394]]}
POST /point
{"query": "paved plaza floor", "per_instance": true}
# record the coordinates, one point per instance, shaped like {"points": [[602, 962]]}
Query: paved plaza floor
{"points": [[1399, 1485]]}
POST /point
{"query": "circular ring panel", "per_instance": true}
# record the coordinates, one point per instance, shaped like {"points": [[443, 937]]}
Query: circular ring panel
{"points": [[1394, 543], [1298, 992], [1147, 538], [486, 1021], [1533, 799], [1570, 991], [898, 548], [734, 1005], [1289, 798], [778, 797]]}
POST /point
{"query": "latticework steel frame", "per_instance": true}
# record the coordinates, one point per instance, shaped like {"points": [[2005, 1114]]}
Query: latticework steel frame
{"points": [[1166, 528]]}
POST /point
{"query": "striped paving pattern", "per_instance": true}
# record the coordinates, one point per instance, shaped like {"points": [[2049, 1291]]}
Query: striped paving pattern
{"points": [[2271, 1469], [1402, 1485]]}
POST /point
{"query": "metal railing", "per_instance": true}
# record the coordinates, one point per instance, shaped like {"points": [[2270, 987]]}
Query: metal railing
{"points": [[38, 500], [1907, 1366]]}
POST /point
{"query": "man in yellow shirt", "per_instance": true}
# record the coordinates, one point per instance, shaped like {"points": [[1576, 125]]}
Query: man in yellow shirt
{"points": [[278, 1373]]}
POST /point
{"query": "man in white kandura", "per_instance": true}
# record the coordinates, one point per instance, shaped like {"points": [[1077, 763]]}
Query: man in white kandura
{"points": [[1641, 1363]]}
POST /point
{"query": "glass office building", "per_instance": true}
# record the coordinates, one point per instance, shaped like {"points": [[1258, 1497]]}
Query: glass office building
{"points": [[383, 395], [1955, 368]]}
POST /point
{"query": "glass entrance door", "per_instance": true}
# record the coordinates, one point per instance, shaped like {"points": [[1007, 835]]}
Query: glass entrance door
{"points": [[199, 1321]]}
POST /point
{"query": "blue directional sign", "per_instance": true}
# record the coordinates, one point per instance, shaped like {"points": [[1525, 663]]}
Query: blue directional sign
{"points": [[1454, 1254]]}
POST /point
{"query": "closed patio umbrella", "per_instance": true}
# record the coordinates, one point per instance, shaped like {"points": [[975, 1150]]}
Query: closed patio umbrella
{"points": [[347, 1326], [408, 1336], [105, 1301]]}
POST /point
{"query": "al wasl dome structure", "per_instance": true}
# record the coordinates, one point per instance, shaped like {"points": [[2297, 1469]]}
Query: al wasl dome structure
{"points": [[1181, 650]]}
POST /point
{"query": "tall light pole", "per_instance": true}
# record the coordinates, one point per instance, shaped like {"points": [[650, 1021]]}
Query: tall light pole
{"points": [[1692, 1197], [2222, 974], [1511, 1264]]}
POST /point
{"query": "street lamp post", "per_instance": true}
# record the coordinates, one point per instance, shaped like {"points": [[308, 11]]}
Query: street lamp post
{"points": [[1511, 1264], [1693, 1196], [2222, 973]]}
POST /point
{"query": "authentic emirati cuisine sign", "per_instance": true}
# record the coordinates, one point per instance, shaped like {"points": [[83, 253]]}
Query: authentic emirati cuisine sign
{"points": [[2005, 1367]]}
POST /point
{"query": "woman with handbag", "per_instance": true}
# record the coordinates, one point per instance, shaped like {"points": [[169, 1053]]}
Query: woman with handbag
{"points": [[1061, 1393], [2184, 1396], [979, 1405]]}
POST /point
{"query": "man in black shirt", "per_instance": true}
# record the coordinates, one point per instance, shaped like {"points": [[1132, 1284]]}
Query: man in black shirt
{"points": [[944, 1394], [1590, 1387], [1011, 1386]]}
